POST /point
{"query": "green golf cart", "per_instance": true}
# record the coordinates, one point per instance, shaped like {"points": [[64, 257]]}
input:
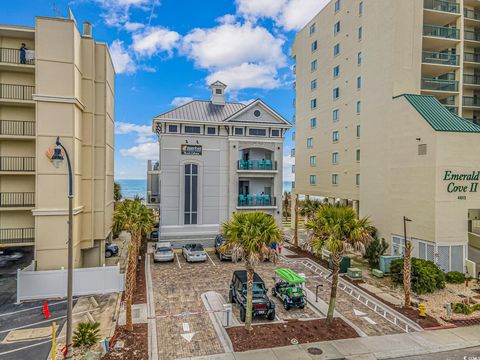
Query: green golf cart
{"points": [[288, 288]]}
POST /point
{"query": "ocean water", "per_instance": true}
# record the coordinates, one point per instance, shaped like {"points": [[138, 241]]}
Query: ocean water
{"points": [[132, 187]]}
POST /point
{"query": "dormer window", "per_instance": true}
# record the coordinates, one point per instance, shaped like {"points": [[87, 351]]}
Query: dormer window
{"points": [[275, 133], [218, 91], [172, 128]]}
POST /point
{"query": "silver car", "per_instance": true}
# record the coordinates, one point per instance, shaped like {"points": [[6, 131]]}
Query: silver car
{"points": [[163, 252], [194, 252]]}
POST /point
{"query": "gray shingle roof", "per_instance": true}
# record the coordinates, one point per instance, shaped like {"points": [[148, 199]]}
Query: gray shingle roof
{"points": [[199, 110]]}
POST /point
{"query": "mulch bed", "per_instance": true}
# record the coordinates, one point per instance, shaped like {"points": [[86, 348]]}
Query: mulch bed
{"points": [[135, 344], [464, 322], [140, 294], [305, 254], [281, 334]]}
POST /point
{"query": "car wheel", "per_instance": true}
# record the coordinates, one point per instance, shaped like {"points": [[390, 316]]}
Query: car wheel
{"points": [[271, 316], [108, 253], [274, 293], [172, 260], [301, 306], [286, 305], [230, 297], [242, 314]]}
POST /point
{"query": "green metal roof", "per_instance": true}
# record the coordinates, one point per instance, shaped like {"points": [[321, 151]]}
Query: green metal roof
{"points": [[290, 276], [439, 118]]}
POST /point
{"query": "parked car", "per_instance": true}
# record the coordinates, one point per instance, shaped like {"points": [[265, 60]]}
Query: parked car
{"points": [[194, 252], [111, 249], [288, 288], [262, 305], [222, 255], [7, 257], [163, 252], [153, 236]]}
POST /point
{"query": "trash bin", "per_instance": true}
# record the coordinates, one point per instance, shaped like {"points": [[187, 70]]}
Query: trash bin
{"points": [[344, 264]]}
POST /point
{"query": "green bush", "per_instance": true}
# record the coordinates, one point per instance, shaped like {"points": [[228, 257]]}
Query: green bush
{"points": [[86, 335], [461, 308], [426, 277], [373, 250], [454, 277]]}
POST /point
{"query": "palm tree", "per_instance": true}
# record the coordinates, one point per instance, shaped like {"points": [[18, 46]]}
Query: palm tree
{"points": [[287, 199], [337, 229], [310, 208], [117, 192], [250, 235]]}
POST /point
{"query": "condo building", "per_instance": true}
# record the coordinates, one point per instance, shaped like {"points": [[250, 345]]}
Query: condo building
{"points": [[387, 109], [217, 158], [55, 81]]}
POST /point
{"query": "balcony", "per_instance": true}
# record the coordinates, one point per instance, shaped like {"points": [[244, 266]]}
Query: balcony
{"points": [[17, 164], [471, 101], [438, 38], [471, 81], [442, 5], [472, 17], [256, 165], [17, 237], [257, 201], [436, 63], [472, 38], [440, 12], [439, 87], [10, 60], [17, 199], [17, 94], [471, 58]]}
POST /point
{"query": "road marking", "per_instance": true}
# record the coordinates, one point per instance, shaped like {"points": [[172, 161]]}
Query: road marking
{"points": [[32, 308], [210, 259], [186, 327], [178, 261], [276, 317], [358, 312], [29, 346], [188, 336], [370, 321]]}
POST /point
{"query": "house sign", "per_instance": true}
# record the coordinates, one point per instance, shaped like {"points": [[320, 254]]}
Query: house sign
{"points": [[461, 183]]}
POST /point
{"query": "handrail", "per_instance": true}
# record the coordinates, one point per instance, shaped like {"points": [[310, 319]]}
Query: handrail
{"points": [[17, 199], [441, 31], [12, 56], [16, 92], [17, 127], [442, 5], [17, 163], [442, 58]]}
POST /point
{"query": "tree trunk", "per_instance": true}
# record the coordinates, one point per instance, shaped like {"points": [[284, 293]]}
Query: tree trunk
{"points": [[295, 231], [407, 266], [336, 259], [130, 285], [248, 314]]}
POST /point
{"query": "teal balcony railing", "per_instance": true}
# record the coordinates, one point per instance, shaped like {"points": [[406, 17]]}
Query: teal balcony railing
{"points": [[442, 58], [256, 200], [439, 84], [442, 5], [471, 101], [471, 79], [441, 31], [257, 165], [472, 35], [471, 57], [471, 14]]}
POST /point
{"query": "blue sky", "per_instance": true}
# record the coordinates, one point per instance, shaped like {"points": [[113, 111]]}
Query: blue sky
{"points": [[166, 52]]}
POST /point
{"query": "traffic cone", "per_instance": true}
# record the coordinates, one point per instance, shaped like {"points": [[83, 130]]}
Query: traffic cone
{"points": [[44, 306], [46, 312]]}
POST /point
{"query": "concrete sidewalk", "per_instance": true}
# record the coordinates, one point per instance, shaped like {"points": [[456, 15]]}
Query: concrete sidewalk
{"points": [[375, 347]]}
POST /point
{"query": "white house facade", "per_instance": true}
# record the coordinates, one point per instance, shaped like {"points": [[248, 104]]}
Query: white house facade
{"points": [[217, 158]]}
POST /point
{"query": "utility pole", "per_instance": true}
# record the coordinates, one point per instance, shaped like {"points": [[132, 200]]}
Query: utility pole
{"points": [[407, 264]]}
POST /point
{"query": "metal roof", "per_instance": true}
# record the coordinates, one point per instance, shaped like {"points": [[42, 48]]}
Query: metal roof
{"points": [[439, 118], [200, 110]]}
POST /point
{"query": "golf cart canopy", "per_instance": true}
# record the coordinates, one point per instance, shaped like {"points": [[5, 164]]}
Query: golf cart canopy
{"points": [[290, 276]]}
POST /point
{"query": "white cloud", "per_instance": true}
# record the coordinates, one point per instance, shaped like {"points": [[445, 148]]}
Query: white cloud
{"points": [[288, 161], [122, 128], [227, 19], [122, 61], [178, 101], [144, 151], [247, 76], [133, 26], [154, 40], [257, 9], [116, 13]]}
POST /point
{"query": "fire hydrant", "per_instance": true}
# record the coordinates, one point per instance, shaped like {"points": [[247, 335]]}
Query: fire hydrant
{"points": [[422, 309]]}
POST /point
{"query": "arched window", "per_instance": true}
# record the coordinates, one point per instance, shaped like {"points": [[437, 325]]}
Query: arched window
{"points": [[191, 194]]}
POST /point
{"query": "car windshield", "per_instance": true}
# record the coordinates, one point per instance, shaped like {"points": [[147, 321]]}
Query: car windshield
{"points": [[163, 249], [258, 290], [196, 247]]}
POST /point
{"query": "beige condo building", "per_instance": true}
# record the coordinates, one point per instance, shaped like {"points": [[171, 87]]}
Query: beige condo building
{"points": [[63, 85], [387, 107]]}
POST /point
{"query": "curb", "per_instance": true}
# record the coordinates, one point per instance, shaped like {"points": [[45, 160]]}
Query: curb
{"points": [[152, 322], [218, 326]]}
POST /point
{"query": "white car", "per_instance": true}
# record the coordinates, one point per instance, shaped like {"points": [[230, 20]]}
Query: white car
{"points": [[163, 252], [194, 252]]}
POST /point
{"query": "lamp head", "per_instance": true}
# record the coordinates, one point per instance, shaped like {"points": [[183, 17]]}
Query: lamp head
{"points": [[57, 157]]}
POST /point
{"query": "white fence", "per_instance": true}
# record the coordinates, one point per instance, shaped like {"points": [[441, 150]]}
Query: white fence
{"points": [[32, 285]]}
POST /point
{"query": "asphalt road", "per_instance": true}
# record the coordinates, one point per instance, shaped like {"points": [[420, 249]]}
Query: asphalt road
{"points": [[463, 354]]}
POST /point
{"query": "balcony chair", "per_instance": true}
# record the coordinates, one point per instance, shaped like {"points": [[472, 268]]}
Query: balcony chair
{"points": [[260, 164], [241, 200], [267, 199], [268, 165], [249, 200], [250, 164]]}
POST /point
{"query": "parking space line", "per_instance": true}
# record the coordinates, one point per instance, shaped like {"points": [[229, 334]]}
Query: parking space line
{"points": [[29, 346], [33, 308], [178, 261], [206, 252]]}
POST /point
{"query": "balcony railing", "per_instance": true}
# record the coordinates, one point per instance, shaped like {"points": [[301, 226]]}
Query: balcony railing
{"points": [[452, 109], [17, 127], [441, 58], [256, 165], [17, 199], [256, 200], [472, 35], [471, 101], [17, 163], [16, 92], [442, 5], [471, 14], [17, 235], [439, 84], [471, 57], [12, 56], [471, 79], [441, 31]]}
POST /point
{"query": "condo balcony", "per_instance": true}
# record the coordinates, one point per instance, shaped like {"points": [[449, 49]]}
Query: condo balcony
{"points": [[472, 17], [258, 201], [471, 101], [472, 38], [17, 237], [17, 94], [436, 63], [440, 12], [257, 165], [439, 87], [17, 199], [471, 81], [438, 38], [17, 128], [17, 164], [471, 58], [442, 6], [11, 60]]}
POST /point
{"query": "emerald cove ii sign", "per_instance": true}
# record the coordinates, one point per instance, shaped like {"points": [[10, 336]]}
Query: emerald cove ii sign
{"points": [[462, 183]]}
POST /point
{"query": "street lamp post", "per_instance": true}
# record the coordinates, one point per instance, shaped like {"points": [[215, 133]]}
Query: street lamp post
{"points": [[57, 159], [407, 264]]}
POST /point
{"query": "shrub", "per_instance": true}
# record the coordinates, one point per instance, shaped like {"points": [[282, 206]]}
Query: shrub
{"points": [[461, 308], [374, 249], [86, 335], [454, 277], [426, 277]]}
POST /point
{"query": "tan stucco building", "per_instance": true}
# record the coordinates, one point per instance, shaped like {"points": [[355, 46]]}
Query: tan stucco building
{"points": [[382, 90], [62, 85]]}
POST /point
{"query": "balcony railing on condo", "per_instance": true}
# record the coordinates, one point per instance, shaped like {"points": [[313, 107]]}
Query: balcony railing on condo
{"points": [[17, 163], [16, 92], [472, 35], [439, 84], [471, 79], [471, 57], [17, 199], [256, 165], [471, 14], [471, 101], [441, 58], [17, 127], [17, 235], [12, 56], [256, 200], [442, 5], [441, 31], [452, 109]]}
